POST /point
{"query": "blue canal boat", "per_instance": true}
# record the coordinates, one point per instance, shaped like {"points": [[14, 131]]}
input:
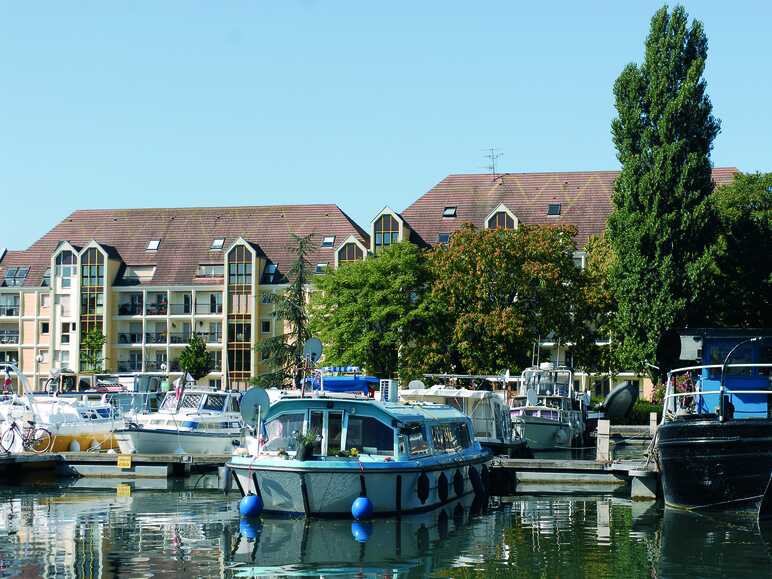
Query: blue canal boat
{"points": [[318, 454], [714, 444]]}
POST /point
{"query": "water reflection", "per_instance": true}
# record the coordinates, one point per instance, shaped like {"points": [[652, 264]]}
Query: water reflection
{"points": [[93, 532]]}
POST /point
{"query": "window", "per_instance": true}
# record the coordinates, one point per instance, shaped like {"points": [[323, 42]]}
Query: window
{"points": [[553, 209], [501, 220], [580, 258], [449, 211], [386, 231], [217, 243], [210, 270], [15, 276], [443, 238], [44, 356], [153, 245], [269, 273], [214, 402], [266, 298], [417, 445], [65, 268], [239, 332], [451, 437], [136, 274], [66, 333], [46, 281], [265, 326], [45, 300], [281, 431], [215, 383], [328, 241], [350, 252], [369, 436], [45, 328], [320, 268], [239, 266]]}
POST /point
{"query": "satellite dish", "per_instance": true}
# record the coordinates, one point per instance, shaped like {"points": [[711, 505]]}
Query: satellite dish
{"points": [[254, 401], [312, 349], [416, 385]]}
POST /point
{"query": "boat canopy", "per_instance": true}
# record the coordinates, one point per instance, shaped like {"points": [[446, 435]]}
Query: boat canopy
{"points": [[342, 383]]}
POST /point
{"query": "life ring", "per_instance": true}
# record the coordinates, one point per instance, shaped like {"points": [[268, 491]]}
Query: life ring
{"points": [[474, 478], [442, 487], [458, 483], [423, 487]]}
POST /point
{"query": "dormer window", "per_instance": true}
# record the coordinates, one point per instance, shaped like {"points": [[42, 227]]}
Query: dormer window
{"points": [[269, 273], [15, 276], [386, 231], [501, 220], [217, 244], [350, 252], [443, 238], [328, 241], [449, 212], [153, 245], [320, 268], [553, 209]]}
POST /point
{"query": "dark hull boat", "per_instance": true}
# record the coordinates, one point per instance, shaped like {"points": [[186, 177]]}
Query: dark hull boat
{"points": [[712, 465]]}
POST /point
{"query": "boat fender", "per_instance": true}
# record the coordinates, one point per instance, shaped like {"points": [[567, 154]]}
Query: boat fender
{"points": [[423, 487], [477, 485], [133, 426], [442, 487], [485, 478], [362, 508], [251, 506], [74, 446], [458, 483]]}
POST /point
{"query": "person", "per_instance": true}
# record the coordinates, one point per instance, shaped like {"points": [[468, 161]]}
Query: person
{"points": [[7, 383]]}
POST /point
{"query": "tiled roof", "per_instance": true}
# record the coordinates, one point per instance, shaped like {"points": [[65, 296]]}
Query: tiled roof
{"points": [[585, 199], [186, 235]]}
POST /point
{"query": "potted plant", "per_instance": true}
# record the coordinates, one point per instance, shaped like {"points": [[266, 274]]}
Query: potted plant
{"points": [[305, 445]]}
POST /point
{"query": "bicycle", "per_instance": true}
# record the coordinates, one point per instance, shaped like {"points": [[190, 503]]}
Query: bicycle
{"points": [[36, 439]]}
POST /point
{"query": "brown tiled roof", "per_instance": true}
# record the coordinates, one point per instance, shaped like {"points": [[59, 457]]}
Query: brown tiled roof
{"points": [[186, 236], [585, 199]]}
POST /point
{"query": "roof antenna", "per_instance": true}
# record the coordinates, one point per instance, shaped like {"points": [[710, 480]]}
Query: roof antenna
{"points": [[492, 156]]}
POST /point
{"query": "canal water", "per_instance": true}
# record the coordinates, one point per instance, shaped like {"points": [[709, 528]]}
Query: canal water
{"points": [[101, 530]]}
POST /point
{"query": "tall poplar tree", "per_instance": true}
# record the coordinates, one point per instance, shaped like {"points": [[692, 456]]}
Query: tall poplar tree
{"points": [[662, 226]]}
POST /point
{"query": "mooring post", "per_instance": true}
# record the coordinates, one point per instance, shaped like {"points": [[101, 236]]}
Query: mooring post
{"points": [[603, 452], [653, 423]]}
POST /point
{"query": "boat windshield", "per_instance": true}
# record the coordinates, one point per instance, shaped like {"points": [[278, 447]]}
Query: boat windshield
{"points": [[214, 402], [547, 382], [281, 432], [369, 436]]}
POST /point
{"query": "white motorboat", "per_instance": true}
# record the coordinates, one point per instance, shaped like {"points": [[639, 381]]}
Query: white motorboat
{"points": [[546, 412], [487, 409], [193, 421]]}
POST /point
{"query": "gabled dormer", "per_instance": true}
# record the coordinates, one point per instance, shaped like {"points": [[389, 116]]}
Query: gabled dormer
{"points": [[350, 250], [387, 228], [501, 218]]}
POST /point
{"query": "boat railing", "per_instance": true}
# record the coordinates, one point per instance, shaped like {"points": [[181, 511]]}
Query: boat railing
{"points": [[683, 399]]}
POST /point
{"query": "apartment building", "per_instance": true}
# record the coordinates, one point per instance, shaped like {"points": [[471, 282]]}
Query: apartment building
{"points": [[581, 199], [148, 279]]}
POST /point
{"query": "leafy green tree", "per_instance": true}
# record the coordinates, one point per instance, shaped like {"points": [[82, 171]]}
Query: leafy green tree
{"points": [[494, 293], [91, 345], [283, 354], [744, 266], [365, 312], [662, 226], [195, 359]]}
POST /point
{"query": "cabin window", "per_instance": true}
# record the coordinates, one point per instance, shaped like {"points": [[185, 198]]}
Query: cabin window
{"points": [[451, 437], [369, 436], [417, 445], [316, 424], [282, 430], [214, 403], [233, 405], [742, 355]]}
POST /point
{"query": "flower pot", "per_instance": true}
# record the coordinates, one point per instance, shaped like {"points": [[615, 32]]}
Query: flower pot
{"points": [[305, 452]]}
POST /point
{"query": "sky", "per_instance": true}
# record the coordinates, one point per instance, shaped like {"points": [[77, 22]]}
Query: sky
{"points": [[364, 104]]}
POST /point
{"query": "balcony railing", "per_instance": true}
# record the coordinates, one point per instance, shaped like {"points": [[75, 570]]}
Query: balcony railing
{"points": [[156, 309], [208, 309], [211, 337], [9, 311], [129, 337], [174, 366], [9, 337], [129, 366], [179, 337], [180, 309], [155, 337], [155, 366], [129, 309]]}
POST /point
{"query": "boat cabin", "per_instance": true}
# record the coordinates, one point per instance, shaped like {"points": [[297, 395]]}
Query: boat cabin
{"points": [[546, 386], [358, 426]]}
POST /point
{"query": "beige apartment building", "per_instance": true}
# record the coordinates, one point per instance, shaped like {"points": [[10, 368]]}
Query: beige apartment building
{"points": [[148, 279]]}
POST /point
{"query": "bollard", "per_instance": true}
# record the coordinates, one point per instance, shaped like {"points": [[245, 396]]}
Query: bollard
{"points": [[653, 423], [603, 453]]}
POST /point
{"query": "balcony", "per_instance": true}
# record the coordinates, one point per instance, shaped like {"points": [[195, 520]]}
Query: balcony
{"points": [[129, 337], [179, 337], [8, 338], [9, 311], [180, 309], [211, 337], [158, 309], [155, 366], [155, 337], [129, 366], [129, 309], [174, 366], [208, 309]]}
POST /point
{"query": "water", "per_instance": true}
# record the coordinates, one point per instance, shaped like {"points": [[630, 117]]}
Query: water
{"points": [[61, 531]]}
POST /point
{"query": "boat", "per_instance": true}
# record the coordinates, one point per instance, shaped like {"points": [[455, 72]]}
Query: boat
{"points": [[190, 421], [487, 409], [76, 422], [546, 412], [317, 454], [714, 443]]}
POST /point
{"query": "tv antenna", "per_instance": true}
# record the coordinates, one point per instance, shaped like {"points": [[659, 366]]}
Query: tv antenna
{"points": [[492, 155]]}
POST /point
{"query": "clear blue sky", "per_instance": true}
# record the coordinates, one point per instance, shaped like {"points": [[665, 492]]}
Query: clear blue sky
{"points": [[184, 103]]}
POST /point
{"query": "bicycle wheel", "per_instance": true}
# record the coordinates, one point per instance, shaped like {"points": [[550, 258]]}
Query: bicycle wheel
{"points": [[41, 441], [7, 439]]}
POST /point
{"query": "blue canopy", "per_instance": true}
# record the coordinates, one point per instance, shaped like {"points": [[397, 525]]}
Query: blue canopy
{"points": [[354, 383]]}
